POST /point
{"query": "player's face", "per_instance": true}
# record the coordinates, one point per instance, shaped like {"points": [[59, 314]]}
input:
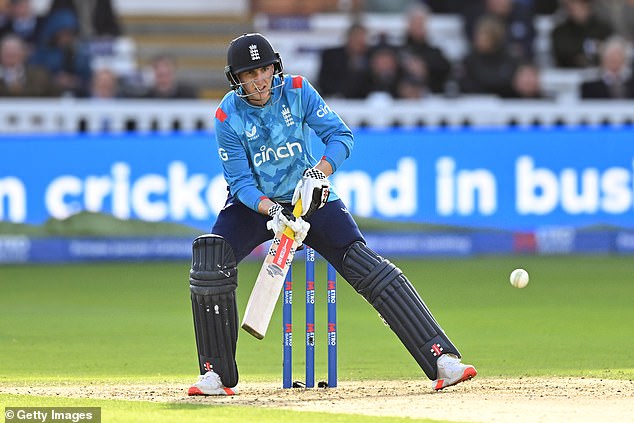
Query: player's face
{"points": [[257, 84]]}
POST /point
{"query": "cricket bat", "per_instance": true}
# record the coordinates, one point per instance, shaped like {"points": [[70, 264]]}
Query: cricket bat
{"points": [[268, 285]]}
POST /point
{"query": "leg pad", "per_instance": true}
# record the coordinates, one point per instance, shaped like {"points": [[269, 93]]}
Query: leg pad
{"points": [[213, 282], [388, 290]]}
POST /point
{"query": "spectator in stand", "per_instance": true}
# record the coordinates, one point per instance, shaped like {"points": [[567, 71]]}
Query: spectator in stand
{"points": [[413, 83], [615, 81], [391, 6], [577, 39], [165, 84], [445, 6], [104, 85], [23, 22], [63, 54], [437, 66], [104, 88], [541, 7], [516, 17], [97, 18], [5, 12], [619, 14], [17, 77], [544, 7], [526, 83], [341, 67], [382, 76], [488, 68]]}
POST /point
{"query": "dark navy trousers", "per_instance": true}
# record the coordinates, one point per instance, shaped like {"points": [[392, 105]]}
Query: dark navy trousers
{"points": [[332, 230]]}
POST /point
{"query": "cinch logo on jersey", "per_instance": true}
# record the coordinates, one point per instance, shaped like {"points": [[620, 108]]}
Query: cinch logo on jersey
{"points": [[288, 118], [323, 110], [267, 154], [251, 135], [253, 51]]}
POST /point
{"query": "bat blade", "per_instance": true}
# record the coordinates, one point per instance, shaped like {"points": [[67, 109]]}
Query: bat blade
{"points": [[268, 285]]}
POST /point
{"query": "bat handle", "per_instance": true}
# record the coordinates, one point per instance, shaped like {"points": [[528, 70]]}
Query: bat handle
{"points": [[297, 211]]}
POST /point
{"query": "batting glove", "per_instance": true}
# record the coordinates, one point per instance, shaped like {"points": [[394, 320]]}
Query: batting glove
{"points": [[313, 189], [281, 218]]}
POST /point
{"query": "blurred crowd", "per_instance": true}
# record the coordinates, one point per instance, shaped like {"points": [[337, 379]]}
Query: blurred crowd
{"points": [[53, 54], [500, 60]]}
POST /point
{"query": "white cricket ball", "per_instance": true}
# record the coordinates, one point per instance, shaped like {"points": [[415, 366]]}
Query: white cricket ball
{"points": [[519, 278]]}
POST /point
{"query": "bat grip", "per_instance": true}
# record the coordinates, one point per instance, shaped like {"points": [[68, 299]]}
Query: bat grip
{"points": [[297, 211]]}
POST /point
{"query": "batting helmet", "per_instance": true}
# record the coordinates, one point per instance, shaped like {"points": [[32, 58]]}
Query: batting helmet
{"points": [[250, 51]]}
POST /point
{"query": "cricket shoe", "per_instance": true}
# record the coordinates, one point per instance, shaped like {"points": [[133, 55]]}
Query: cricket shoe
{"points": [[209, 384], [451, 372]]}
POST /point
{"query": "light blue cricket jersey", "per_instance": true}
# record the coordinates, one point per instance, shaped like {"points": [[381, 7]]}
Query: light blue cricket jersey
{"points": [[265, 150]]}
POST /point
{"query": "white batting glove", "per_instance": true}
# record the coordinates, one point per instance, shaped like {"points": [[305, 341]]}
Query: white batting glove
{"points": [[313, 189], [281, 218]]}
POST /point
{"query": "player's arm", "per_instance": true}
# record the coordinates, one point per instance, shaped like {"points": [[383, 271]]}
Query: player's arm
{"points": [[236, 167], [265, 205], [314, 187], [329, 127], [324, 166]]}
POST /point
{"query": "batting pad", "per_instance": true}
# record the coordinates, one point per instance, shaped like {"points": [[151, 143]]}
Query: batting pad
{"points": [[213, 281], [388, 290]]}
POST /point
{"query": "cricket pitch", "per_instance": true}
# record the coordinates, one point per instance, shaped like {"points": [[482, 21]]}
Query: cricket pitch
{"points": [[521, 400]]}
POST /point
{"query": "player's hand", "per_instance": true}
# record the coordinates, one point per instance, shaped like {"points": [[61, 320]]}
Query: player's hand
{"points": [[281, 218], [313, 189]]}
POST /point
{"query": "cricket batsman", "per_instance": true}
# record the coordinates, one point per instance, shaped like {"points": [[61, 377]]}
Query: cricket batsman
{"points": [[263, 135]]}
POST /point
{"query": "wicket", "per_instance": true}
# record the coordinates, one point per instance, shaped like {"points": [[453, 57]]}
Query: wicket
{"points": [[287, 324]]}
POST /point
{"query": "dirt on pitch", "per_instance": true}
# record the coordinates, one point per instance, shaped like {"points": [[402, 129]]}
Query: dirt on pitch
{"points": [[520, 400]]}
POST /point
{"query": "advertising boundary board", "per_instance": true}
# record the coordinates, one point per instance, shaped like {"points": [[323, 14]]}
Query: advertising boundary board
{"points": [[22, 249], [483, 179]]}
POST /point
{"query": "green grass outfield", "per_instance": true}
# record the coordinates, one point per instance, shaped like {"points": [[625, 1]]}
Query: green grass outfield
{"points": [[132, 322]]}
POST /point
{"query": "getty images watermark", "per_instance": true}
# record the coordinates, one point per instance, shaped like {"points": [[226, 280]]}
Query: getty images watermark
{"points": [[52, 414]]}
